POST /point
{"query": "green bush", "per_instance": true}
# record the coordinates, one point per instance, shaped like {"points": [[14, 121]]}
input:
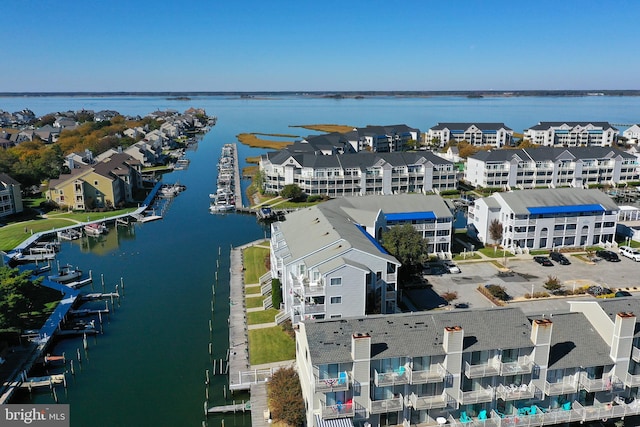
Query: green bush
{"points": [[276, 293]]}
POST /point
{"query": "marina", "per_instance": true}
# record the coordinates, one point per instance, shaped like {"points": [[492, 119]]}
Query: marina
{"points": [[228, 182]]}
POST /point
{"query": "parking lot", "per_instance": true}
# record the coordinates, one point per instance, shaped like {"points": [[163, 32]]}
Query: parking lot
{"points": [[527, 276]]}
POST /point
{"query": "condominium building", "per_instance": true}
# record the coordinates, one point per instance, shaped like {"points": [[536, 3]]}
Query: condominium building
{"points": [[357, 174], [632, 133], [545, 218], [572, 134], [497, 134], [551, 167], [329, 260], [10, 196], [110, 182], [493, 367]]}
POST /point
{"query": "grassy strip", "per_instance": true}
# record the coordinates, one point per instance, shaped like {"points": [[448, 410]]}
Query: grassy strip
{"points": [[252, 290], [493, 253], [326, 127], [262, 316], [254, 263], [13, 234], [252, 159], [466, 257], [252, 140], [254, 302], [270, 345]]}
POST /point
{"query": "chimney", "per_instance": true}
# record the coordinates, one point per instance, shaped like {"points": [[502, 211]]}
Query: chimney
{"points": [[541, 331], [361, 346], [453, 338], [453, 345], [622, 342]]}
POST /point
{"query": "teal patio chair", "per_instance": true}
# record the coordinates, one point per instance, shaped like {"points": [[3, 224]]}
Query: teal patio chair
{"points": [[464, 418], [482, 415]]}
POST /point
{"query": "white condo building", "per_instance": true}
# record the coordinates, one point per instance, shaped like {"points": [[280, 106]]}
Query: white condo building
{"points": [[572, 134], [551, 167], [329, 260], [494, 367], [497, 134], [546, 218]]}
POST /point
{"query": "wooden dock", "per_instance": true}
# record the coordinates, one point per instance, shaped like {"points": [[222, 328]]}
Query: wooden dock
{"points": [[236, 407], [47, 381]]}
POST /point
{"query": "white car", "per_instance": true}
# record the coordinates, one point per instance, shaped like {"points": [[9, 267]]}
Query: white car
{"points": [[630, 252], [451, 266]]}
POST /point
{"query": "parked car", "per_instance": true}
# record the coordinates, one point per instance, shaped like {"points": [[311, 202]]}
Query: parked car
{"points": [[559, 258], [451, 266], [630, 252], [596, 290], [543, 260], [608, 255], [623, 294]]}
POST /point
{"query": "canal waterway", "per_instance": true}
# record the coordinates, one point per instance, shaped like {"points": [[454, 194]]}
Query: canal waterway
{"points": [[148, 368]]}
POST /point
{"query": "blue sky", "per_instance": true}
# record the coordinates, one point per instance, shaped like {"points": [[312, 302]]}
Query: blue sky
{"points": [[332, 45]]}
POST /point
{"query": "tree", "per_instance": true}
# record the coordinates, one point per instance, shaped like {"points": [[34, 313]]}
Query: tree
{"points": [[15, 290], [495, 230], [407, 245], [292, 192], [285, 397]]}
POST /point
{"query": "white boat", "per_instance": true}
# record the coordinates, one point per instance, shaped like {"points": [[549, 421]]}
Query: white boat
{"points": [[69, 234], [95, 229], [66, 273]]}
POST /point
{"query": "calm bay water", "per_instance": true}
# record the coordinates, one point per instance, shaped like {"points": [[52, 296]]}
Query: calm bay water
{"points": [[148, 368]]}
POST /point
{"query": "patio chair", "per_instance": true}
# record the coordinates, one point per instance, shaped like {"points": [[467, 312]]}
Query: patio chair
{"points": [[482, 415], [464, 418], [566, 406]]}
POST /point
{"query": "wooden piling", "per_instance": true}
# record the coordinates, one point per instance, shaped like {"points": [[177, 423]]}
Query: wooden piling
{"points": [[55, 395], [73, 372], [210, 349], [78, 354], [102, 281], [224, 391], [207, 376]]}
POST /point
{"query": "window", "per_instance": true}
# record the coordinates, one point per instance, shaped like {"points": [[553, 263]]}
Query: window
{"points": [[336, 281], [335, 316], [336, 300]]}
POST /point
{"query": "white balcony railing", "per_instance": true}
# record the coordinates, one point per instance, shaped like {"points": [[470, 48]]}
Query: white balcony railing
{"points": [[434, 374], [595, 384], [428, 402], [566, 386], [340, 410], [314, 308], [522, 366], [394, 404], [632, 380], [516, 392], [399, 376], [635, 354], [491, 368], [475, 396], [341, 383]]}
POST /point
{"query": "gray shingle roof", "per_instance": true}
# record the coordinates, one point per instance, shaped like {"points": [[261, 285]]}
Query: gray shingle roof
{"points": [[551, 153], [575, 343], [547, 125], [467, 125], [520, 200], [418, 334]]}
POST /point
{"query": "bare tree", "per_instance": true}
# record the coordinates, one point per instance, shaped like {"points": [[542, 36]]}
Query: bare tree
{"points": [[495, 231]]}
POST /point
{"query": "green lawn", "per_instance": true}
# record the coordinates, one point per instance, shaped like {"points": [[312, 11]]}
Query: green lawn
{"points": [[254, 302], [270, 345], [254, 263], [467, 256], [251, 290], [13, 234], [495, 253], [263, 316]]}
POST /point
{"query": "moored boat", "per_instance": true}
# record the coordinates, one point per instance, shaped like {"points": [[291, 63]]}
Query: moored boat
{"points": [[95, 229], [66, 273]]}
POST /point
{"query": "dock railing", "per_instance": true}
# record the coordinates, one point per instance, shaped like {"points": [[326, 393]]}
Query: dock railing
{"points": [[245, 378]]}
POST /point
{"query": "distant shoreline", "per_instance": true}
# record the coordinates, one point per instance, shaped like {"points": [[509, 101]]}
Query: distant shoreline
{"points": [[337, 94]]}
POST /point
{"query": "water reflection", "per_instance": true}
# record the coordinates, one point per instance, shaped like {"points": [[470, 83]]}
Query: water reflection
{"points": [[107, 243]]}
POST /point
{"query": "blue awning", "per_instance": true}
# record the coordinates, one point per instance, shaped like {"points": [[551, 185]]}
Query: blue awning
{"points": [[372, 240], [551, 210], [409, 216]]}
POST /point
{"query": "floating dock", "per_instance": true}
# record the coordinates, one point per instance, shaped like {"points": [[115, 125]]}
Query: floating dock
{"points": [[236, 407]]}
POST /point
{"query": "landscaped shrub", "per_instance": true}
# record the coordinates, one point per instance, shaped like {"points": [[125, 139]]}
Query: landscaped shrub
{"points": [[276, 293], [285, 397]]}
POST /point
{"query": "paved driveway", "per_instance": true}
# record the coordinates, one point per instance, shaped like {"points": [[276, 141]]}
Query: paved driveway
{"points": [[528, 276]]}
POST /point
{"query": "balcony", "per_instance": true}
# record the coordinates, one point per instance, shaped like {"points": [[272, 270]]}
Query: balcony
{"points": [[394, 404], [400, 376], [339, 410], [489, 369], [632, 380], [428, 402], [476, 396], [327, 385], [592, 385], [635, 354], [522, 366], [309, 290], [314, 308], [516, 392], [390, 295], [434, 374], [566, 386]]}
